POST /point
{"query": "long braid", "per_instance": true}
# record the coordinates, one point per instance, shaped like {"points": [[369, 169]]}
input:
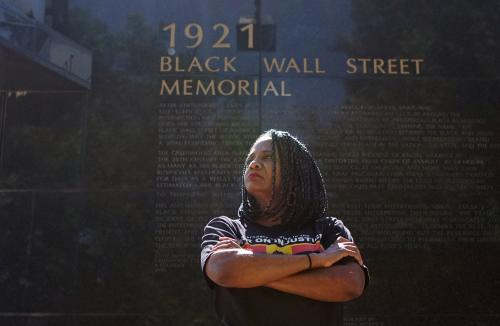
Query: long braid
{"points": [[301, 197]]}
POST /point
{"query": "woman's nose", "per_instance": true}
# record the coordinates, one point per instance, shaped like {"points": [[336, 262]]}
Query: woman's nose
{"points": [[254, 164]]}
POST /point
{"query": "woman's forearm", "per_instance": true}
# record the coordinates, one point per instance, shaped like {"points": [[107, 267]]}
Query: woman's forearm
{"points": [[242, 268], [336, 283], [232, 266]]}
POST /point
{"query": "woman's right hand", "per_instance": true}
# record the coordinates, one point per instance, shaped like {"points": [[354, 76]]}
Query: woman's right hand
{"points": [[341, 248]]}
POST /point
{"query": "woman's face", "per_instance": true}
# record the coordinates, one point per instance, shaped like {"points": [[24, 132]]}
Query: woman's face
{"points": [[258, 176]]}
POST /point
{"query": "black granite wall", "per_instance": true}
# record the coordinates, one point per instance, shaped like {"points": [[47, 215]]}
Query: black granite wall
{"points": [[104, 193]]}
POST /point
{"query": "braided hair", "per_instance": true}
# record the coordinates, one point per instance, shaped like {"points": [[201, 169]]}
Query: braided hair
{"points": [[301, 197]]}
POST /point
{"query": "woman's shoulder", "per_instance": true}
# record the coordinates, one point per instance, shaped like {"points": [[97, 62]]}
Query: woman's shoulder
{"points": [[225, 224], [334, 226], [225, 220], [330, 221]]}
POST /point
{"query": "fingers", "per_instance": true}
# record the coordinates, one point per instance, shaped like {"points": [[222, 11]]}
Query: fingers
{"points": [[358, 258], [341, 239], [345, 248], [230, 240], [226, 243], [226, 238], [342, 242], [356, 254], [223, 247]]}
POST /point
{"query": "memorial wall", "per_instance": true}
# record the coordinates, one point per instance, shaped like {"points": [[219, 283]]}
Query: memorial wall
{"points": [[125, 125]]}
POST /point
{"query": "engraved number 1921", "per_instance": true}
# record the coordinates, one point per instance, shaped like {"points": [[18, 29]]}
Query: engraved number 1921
{"points": [[195, 33]]}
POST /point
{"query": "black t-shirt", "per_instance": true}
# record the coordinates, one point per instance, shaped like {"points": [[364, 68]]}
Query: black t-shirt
{"points": [[263, 305]]}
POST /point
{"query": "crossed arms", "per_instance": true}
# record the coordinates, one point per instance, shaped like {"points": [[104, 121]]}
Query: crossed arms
{"points": [[232, 266]]}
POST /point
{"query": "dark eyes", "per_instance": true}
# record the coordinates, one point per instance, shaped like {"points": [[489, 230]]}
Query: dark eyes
{"points": [[264, 157]]}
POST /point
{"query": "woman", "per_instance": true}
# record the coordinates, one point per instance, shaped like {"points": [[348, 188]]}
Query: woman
{"points": [[283, 261]]}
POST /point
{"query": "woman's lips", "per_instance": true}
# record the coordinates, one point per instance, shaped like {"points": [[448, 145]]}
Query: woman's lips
{"points": [[254, 175]]}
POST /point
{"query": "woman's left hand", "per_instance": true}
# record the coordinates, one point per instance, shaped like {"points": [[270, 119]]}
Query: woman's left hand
{"points": [[226, 243]]}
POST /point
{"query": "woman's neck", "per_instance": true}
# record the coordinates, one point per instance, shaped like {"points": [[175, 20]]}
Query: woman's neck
{"points": [[269, 221]]}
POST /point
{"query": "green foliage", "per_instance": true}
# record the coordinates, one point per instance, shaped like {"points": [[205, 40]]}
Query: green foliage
{"points": [[94, 35]]}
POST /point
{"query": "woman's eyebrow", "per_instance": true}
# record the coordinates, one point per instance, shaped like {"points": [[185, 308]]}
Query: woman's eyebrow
{"points": [[252, 154]]}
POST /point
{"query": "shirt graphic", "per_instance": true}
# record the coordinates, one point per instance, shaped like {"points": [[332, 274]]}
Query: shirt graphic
{"points": [[287, 245]]}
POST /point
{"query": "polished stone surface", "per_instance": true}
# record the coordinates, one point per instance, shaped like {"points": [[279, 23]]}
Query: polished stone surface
{"points": [[104, 194]]}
